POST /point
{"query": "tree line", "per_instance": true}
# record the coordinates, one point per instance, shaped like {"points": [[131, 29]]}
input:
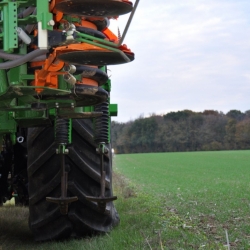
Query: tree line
{"points": [[183, 131]]}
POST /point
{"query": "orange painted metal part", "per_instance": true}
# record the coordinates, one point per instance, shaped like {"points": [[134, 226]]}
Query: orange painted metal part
{"points": [[47, 76], [88, 81], [51, 67], [58, 15], [52, 5], [110, 35], [50, 80], [36, 64], [127, 1], [125, 49], [87, 24], [77, 47]]}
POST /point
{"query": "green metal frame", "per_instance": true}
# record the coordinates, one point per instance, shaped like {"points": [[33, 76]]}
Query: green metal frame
{"points": [[16, 96], [9, 20]]}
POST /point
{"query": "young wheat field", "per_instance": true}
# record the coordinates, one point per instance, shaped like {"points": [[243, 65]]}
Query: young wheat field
{"points": [[193, 200], [204, 196]]}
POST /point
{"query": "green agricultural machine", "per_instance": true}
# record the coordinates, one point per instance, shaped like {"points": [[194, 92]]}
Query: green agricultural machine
{"points": [[55, 112]]}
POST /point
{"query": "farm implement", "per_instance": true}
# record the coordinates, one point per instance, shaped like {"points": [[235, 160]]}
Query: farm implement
{"points": [[55, 112]]}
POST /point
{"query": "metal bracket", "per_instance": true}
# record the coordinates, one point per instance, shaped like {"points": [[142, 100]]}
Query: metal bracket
{"points": [[9, 23], [63, 201], [43, 14], [102, 200]]}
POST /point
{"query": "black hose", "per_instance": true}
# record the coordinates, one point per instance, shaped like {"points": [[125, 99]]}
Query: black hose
{"points": [[26, 58], [12, 57], [30, 27], [26, 12]]}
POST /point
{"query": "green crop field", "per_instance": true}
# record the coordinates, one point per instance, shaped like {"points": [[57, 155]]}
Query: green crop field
{"points": [[165, 201], [203, 195]]}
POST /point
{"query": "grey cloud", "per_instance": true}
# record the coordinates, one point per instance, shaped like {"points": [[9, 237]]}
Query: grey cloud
{"points": [[189, 55]]}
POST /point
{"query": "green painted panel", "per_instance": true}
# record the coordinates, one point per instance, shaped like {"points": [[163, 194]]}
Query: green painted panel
{"points": [[3, 79], [113, 109], [9, 15], [7, 123], [43, 14]]}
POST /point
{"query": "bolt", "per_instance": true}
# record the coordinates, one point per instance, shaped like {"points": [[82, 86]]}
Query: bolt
{"points": [[20, 139], [57, 151], [57, 105], [51, 22], [66, 151]]}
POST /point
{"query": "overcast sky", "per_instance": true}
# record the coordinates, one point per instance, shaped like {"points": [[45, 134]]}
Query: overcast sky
{"points": [[189, 54]]}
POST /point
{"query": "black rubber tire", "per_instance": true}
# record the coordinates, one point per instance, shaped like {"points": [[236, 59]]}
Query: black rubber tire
{"points": [[5, 167], [84, 218]]}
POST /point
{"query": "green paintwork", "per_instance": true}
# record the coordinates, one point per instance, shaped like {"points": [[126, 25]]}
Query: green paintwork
{"points": [[26, 95], [3, 80], [107, 85], [9, 20], [70, 131], [43, 14], [113, 109], [37, 118], [9, 15], [102, 41], [16, 93], [7, 122]]}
